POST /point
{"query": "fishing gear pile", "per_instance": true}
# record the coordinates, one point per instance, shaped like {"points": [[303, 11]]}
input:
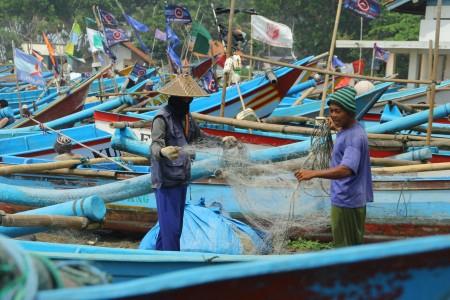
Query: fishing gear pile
{"points": [[270, 198]]}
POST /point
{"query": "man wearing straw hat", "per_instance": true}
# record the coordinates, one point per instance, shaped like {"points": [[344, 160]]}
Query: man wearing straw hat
{"points": [[172, 130], [351, 178]]}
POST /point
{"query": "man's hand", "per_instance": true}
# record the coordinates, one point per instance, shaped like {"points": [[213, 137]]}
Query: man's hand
{"points": [[229, 142], [171, 152], [331, 124], [304, 175]]}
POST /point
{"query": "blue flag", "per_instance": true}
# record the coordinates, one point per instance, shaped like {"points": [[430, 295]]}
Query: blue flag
{"points": [[369, 9], [115, 36], [137, 72], [108, 18], [28, 68], [336, 62], [177, 14], [209, 83], [381, 54], [172, 38], [138, 26], [174, 59]]}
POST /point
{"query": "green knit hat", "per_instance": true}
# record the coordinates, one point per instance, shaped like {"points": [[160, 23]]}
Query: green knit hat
{"points": [[345, 98]]}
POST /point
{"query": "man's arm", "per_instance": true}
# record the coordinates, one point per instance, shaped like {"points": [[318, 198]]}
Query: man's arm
{"points": [[338, 172], [158, 137]]}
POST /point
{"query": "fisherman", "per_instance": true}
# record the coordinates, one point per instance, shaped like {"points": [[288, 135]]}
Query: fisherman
{"points": [[63, 146], [6, 115], [351, 178], [173, 129]]}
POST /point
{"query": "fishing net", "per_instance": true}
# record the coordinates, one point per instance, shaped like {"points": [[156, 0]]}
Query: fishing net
{"points": [[270, 198]]}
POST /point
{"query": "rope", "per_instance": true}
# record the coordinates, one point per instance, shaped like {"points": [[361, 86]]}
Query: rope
{"points": [[44, 128]]}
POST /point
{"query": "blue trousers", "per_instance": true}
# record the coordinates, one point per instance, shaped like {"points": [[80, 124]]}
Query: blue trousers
{"points": [[170, 202]]}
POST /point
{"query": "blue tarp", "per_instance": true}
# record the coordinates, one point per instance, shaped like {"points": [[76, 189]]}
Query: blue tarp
{"points": [[208, 230]]}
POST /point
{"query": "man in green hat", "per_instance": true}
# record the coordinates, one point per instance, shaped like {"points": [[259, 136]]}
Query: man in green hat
{"points": [[351, 178]]}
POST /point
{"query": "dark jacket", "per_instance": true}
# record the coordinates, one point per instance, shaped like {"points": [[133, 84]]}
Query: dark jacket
{"points": [[167, 172]]}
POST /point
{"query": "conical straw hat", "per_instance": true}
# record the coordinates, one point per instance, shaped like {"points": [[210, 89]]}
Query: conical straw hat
{"points": [[183, 86]]}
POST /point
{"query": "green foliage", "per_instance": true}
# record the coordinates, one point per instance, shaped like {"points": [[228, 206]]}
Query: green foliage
{"points": [[312, 21], [308, 245]]}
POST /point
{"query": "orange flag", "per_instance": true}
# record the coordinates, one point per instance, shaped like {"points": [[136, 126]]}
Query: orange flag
{"points": [[51, 53]]}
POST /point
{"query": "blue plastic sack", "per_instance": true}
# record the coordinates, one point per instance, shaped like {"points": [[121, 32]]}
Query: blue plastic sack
{"points": [[208, 230]]}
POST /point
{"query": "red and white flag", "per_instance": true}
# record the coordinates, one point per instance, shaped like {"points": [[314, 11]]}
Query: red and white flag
{"points": [[270, 32]]}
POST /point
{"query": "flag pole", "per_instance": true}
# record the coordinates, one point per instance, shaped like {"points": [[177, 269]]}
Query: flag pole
{"points": [[94, 58], [250, 70], [153, 47], [373, 61], [228, 54], [19, 97], [330, 57], [432, 87], [360, 41]]}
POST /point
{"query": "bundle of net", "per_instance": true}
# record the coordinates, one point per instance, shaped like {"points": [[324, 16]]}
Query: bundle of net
{"points": [[272, 200]]}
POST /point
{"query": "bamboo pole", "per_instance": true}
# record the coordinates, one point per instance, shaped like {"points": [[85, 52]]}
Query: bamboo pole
{"points": [[306, 130], [15, 220], [304, 95], [433, 78], [323, 71], [40, 167], [330, 58], [413, 169], [287, 119], [82, 172], [228, 54]]}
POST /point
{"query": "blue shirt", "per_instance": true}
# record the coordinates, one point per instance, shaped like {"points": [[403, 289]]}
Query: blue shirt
{"points": [[351, 149]]}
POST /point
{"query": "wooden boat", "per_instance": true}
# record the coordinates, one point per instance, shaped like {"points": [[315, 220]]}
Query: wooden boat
{"points": [[404, 206], [67, 104], [311, 109], [413, 96], [258, 94], [411, 269], [254, 137], [41, 97]]}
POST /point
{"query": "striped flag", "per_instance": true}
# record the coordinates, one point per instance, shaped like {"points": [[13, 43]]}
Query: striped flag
{"points": [[51, 53], [369, 9]]}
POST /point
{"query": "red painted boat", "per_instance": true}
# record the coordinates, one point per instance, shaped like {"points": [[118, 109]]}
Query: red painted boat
{"points": [[67, 104], [102, 120]]}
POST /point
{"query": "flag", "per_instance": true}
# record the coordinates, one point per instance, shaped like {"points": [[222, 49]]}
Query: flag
{"points": [[28, 68], [138, 26], [270, 32], [137, 72], [358, 66], [108, 18], [220, 60], [74, 39], [336, 62], [51, 53], [174, 59], [380, 53], [95, 39], [108, 51], [177, 14], [202, 38], [115, 35], [38, 55], [209, 83], [172, 37], [369, 9], [89, 22], [160, 35]]}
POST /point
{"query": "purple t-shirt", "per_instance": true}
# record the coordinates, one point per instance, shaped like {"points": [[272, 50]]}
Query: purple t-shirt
{"points": [[351, 149]]}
